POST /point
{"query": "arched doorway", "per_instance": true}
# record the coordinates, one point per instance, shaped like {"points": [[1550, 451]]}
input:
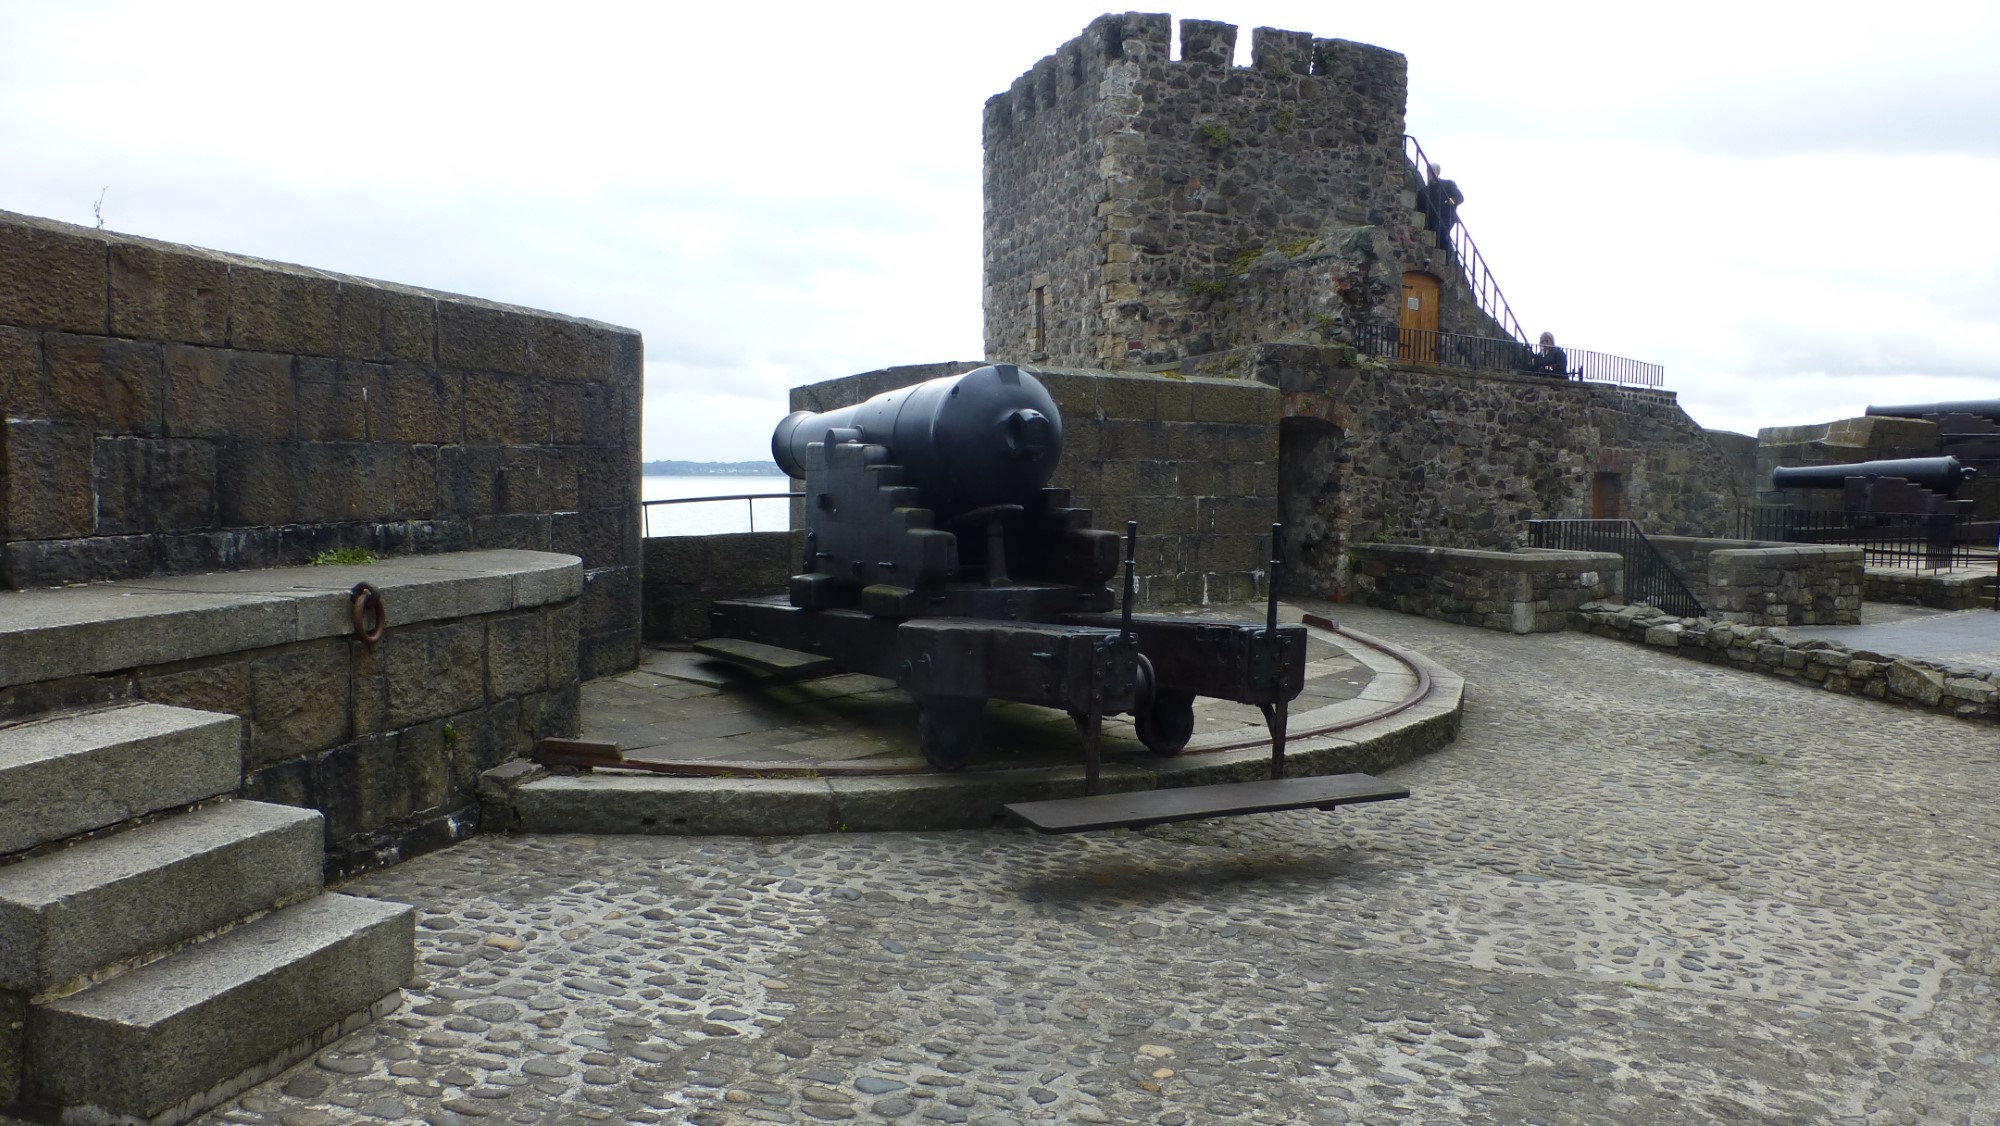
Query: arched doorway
{"points": [[1419, 344]]}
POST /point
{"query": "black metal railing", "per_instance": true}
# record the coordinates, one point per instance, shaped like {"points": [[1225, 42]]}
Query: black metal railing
{"points": [[1650, 578], [1478, 279], [1920, 541], [749, 502], [1492, 353]]}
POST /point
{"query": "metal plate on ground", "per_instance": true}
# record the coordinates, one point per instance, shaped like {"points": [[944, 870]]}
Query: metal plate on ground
{"points": [[1140, 808], [770, 660]]}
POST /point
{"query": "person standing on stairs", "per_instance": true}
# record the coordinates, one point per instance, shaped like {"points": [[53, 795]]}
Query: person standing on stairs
{"points": [[1442, 198]]}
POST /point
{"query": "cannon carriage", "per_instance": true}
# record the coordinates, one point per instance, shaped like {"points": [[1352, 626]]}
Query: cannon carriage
{"points": [[936, 555]]}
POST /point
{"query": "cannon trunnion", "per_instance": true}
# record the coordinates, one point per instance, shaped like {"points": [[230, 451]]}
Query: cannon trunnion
{"points": [[936, 556]]}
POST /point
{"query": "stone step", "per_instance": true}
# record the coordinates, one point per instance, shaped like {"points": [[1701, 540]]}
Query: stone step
{"points": [[73, 772], [180, 1034], [84, 909]]}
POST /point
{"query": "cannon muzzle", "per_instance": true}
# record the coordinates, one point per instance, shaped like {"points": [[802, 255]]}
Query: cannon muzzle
{"points": [[1984, 408], [1939, 474], [990, 436]]}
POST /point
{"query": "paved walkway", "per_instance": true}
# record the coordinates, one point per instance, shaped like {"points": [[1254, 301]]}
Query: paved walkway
{"points": [[1965, 637], [1636, 890]]}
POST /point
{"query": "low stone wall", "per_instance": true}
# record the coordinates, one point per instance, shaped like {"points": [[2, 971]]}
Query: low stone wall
{"points": [[479, 660], [1794, 585], [1932, 686], [171, 410], [685, 575], [1939, 591], [1517, 592]]}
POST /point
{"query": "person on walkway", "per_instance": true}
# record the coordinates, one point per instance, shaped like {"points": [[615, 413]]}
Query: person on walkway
{"points": [[1551, 360], [1441, 198]]}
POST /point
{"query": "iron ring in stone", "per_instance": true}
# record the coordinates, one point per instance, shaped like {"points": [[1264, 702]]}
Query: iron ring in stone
{"points": [[364, 603]]}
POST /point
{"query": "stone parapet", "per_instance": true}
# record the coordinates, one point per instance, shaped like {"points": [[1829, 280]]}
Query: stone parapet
{"points": [[1794, 585], [479, 660], [685, 575], [1516, 592], [171, 410], [1910, 682], [1939, 591]]}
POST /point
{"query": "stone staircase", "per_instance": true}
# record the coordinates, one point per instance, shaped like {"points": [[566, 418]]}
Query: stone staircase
{"points": [[163, 946]]}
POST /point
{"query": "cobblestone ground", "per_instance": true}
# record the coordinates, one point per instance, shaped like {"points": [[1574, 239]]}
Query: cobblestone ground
{"points": [[1636, 890]]}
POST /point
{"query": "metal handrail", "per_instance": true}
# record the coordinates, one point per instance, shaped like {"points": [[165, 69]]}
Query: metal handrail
{"points": [[1496, 353], [1650, 578], [750, 499], [1485, 290]]}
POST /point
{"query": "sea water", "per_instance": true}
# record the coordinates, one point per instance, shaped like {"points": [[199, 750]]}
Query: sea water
{"points": [[714, 517]]}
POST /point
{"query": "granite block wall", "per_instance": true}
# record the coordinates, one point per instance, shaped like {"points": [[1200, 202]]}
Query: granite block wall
{"points": [[1514, 592], [172, 410], [479, 660], [1194, 460], [685, 575]]}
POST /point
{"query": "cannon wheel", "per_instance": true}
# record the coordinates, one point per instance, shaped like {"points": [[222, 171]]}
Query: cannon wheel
{"points": [[948, 729], [1166, 722]]}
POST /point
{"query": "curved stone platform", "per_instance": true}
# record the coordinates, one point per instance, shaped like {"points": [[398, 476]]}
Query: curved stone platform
{"points": [[839, 754]]}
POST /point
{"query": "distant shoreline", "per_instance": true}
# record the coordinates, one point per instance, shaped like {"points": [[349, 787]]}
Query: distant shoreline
{"points": [[711, 469]]}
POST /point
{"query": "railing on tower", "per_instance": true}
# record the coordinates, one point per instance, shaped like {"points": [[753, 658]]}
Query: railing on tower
{"points": [[1495, 353], [1485, 291]]}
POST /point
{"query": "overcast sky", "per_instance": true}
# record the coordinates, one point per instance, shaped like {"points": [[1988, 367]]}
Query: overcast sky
{"points": [[1784, 204]]}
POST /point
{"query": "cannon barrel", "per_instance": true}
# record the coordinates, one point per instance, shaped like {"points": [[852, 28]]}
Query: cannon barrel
{"points": [[990, 436], [1941, 474], [1984, 408]]}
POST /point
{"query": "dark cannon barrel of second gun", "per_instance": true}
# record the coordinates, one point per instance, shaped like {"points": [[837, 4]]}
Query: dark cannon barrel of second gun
{"points": [[990, 436], [1984, 408], [1940, 474]]}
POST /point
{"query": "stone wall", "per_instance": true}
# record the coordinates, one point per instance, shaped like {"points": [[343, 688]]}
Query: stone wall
{"points": [[1386, 453], [171, 410], [685, 575], [1929, 685], [479, 661], [1141, 208], [1516, 592], [1938, 590], [1793, 585], [1193, 460]]}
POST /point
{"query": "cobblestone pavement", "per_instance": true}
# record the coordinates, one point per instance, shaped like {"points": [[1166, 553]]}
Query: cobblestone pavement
{"points": [[1636, 890]]}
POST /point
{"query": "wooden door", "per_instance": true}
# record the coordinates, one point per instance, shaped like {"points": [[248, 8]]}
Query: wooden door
{"points": [[1420, 319]]}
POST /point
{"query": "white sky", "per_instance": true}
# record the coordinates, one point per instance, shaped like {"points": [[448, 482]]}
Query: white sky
{"points": [[1783, 203]]}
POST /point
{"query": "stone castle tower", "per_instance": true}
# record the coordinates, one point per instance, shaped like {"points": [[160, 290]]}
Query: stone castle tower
{"points": [[1141, 209]]}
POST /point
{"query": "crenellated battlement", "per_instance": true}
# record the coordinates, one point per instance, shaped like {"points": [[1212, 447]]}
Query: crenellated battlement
{"points": [[1071, 77], [1126, 184]]}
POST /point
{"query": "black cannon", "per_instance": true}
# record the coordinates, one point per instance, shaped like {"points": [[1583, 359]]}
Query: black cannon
{"points": [[935, 556], [1939, 474], [1983, 408]]}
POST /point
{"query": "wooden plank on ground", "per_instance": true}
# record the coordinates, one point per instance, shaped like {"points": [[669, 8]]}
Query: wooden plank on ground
{"points": [[1140, 808], [770, 660]]}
